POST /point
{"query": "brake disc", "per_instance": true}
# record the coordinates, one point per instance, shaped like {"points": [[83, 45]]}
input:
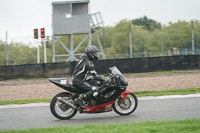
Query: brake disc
{"points": [[124, 104]]}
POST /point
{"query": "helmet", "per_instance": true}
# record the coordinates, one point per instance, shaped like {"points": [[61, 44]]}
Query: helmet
{"points": [[92, 52]]}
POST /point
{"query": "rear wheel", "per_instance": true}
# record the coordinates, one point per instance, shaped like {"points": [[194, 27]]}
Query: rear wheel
{"points": [[60, 110], [127, 106]]}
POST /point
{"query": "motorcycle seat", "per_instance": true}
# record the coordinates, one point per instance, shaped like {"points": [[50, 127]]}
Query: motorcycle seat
{"points": [[76, 89]]}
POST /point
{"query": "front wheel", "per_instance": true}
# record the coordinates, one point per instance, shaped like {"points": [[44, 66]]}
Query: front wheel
{"points": [[61, 110], [127, 106]]}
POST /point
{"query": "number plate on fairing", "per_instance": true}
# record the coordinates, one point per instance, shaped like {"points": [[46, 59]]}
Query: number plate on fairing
{"points": [[63, 82]]}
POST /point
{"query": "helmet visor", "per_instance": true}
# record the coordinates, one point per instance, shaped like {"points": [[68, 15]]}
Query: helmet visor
{"points": [[96, 54]]}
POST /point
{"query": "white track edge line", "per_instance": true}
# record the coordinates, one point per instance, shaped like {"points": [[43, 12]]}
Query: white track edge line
{"points": [[139, 98]]}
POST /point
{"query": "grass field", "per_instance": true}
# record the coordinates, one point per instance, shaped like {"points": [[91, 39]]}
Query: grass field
{"points": [[172, 126], [138, 94]]}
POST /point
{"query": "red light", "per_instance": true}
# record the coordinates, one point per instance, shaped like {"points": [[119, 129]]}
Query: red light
{"points": [[42, 32]]}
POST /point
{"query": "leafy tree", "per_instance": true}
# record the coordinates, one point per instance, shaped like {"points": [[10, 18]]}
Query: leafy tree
{"points": [[18, 53], [152, 39], [118, 39], [2, 53], [148, 24]]}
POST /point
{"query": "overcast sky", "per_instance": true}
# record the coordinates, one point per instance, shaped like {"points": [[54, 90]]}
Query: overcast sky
{"points": [[20, 17]]}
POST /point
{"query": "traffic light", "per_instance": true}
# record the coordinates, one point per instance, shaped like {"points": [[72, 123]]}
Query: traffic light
{"points": [[36, 33], [42, 30]]}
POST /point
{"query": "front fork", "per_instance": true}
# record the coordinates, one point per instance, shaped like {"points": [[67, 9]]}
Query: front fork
{"points": [[122, 99], [124, 94]]}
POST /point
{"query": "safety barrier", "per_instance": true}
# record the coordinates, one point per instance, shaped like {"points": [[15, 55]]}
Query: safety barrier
{"points": [[130, 65], [29, 71]]}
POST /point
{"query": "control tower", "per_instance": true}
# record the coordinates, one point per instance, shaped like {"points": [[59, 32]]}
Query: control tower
{"points": [[73, 17]]}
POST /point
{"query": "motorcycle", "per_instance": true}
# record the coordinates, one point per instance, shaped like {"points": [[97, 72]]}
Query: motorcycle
{"points": [[112, 95]]}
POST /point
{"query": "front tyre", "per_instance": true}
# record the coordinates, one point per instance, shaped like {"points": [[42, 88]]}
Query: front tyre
{"points": [[60, 110], [127, 106]]}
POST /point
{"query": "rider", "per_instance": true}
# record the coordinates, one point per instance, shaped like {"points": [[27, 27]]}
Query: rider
{"points": [[84, 66]]}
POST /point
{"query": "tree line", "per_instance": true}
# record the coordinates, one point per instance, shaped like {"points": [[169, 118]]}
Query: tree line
{"points": [[148, 36]]}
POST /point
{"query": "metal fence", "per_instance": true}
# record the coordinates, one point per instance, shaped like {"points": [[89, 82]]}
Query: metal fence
{"points": [[170, 52]]}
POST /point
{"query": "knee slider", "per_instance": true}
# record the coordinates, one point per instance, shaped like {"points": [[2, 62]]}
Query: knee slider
{"points": [[95, 94]]}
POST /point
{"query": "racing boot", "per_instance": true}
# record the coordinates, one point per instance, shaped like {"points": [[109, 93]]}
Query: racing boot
{"points": [[80, 102]]}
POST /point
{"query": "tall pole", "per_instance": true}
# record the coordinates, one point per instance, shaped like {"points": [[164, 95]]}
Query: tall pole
{"points": [[6, 47], [100, 46], [90, 39], [45, 51], [53, 49], [161, 48], [38, 53], [192, 38], [71, 47], [130, 42]]}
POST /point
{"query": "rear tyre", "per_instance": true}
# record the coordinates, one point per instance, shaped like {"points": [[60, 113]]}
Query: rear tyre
{"points": [[127, 106], [60, 110]]}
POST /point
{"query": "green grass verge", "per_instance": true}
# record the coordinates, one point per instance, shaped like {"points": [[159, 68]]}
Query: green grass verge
{"points": [[168, 92], [138, 94], [163, 72], [25, 101], [172, 126], [173, 71]]}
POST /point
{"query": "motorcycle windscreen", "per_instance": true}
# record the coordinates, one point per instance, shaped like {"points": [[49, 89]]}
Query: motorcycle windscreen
{"points": [[114, 70]]}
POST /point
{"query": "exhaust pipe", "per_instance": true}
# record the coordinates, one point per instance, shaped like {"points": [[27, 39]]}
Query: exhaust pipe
{"points": [[66, 102]]}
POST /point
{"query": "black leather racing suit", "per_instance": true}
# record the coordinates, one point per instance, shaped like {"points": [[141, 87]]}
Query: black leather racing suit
{"points": [[83, 67]]}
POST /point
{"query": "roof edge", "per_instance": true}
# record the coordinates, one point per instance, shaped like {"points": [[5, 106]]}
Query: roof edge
{"points": [[70, 2]]}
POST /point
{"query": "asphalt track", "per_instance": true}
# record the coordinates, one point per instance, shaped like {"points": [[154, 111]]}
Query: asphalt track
{"points": [[149, 108]]}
